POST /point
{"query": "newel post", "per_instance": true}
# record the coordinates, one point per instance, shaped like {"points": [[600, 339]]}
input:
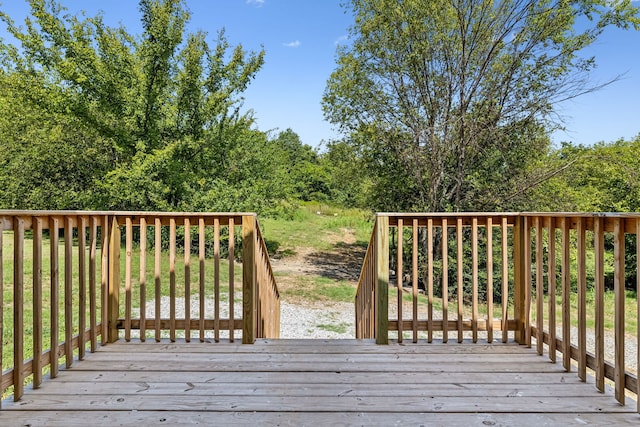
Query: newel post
{"points": [[113, 298], [382, 288], [249, 280], [519, 289]]}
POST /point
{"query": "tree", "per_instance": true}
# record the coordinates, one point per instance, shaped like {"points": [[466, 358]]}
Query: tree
{"points": [[49, 160], [454, 98], [165, 103], [602, 178], [307, 176]]}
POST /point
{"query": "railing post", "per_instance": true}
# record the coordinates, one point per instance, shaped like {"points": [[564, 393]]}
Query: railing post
{"points": [[113, 300], [519, 289], [382, 289], [249, 282]]}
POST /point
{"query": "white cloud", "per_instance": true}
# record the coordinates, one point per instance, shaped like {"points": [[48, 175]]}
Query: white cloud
{"points": [[341, 40], [292, 44], [257, 3]]}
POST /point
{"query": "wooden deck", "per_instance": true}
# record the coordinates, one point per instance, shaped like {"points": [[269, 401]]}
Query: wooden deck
{"points": [[313, 382]]}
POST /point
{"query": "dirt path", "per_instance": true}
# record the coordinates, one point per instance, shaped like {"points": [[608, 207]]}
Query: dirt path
{"points": [[301, 318]]}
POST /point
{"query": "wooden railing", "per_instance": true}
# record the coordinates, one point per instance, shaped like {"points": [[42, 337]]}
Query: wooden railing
{"points": [[594, 247], [483, 273], [73, 279]]}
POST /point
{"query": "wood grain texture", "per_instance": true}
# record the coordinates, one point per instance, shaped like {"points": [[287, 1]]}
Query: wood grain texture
{"points": [[347, 382]]}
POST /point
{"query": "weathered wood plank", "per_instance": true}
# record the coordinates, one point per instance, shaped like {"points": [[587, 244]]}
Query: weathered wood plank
{"points": [[145, 417], [323, 377], [314, 366], [315, 387], [313, 346], [405, 403], [258, 377], [400, 361]]}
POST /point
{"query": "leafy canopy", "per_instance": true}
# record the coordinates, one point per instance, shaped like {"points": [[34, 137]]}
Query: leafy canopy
{"points": [[160, 110], [451, 100]]}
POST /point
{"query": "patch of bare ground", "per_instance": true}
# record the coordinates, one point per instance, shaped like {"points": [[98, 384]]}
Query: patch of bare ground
{"points": [[318, 318]]}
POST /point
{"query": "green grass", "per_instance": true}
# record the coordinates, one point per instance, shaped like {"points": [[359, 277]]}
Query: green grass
{"points": [[313, 225], [316, 289], [340, 328]]}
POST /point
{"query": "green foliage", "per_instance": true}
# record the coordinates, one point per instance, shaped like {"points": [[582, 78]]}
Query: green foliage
{"points": [[130, 122], [451, 102]]}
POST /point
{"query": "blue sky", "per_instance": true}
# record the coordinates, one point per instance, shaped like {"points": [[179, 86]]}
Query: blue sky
{"points": [[300, 37]]}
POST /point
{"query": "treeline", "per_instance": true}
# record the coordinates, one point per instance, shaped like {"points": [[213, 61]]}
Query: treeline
{"points": [[93, 117]]}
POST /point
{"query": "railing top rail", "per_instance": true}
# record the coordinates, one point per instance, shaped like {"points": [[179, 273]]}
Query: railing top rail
{"points": [[446, 214], [507, 214], [583, 214], [6, 216], [5, 212]]}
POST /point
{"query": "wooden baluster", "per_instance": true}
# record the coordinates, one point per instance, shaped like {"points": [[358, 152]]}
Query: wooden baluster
{"points": [[37, 301], [598, 246], [399, 278], [187, 280], [93, 299], [216, 279], [460, 275], [566, 295], [551, 285], [582, 302], [104, 281], [68, 292], [250, 292], [127, 278], [172, 279], [201, 271], [414, 277], [114, 281], [82, 285], [489, 297], [54, 295], [505, 280], [637, 311], [382, 284], [539, 287], [527, 281], [619, 291], [157, 272], [474, 278], [445, 281], [1, 296], [143, 279], [430, 280], [18, 308], [232, 244]]}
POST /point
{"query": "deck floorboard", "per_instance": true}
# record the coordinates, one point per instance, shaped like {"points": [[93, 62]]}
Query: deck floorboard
{"points": [[316, 382]]}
